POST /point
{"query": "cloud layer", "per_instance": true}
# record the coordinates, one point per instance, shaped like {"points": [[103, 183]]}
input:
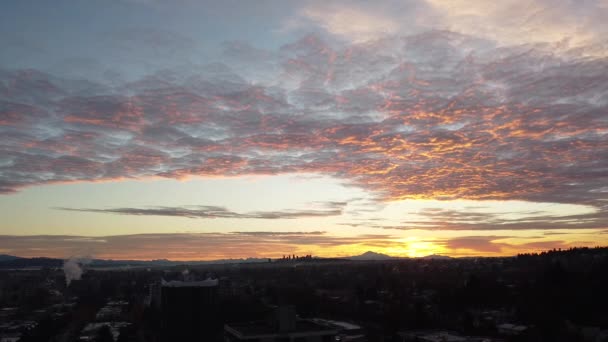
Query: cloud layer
{"points": [[325, 209], [435, 218], [433, 115], [509, 22], [407, 100]]}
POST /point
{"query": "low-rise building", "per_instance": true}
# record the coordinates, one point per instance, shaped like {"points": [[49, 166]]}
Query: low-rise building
{"points": [[509, 329], [440, 336], [347, 332], [10, 337], [90, 331], [112, 311], [283, 326]]}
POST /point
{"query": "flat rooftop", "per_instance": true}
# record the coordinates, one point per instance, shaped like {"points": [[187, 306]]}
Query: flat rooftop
{"points": [[202, 283], [256, 328]]}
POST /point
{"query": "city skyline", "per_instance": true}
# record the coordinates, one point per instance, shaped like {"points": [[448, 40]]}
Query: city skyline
{"points": [[197, 130]]}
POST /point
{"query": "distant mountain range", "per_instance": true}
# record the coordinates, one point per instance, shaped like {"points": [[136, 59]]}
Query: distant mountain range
{"points": [[4, 257], [436, 257], [13, 262], [10, 261], [369, 255], [165, 262]]}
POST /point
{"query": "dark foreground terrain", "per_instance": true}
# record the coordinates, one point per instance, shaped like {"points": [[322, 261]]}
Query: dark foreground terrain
{"points": [[552, 296]]}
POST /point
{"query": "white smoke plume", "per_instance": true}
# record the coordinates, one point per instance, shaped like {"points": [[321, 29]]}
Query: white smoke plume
{"points": [[72, 268]]}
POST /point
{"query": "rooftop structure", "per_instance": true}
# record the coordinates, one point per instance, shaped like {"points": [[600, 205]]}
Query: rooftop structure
{"points": [[89, 333], [10, 337], [283, 326], [440, 336], [511, 329], [347, 332], [189, 310], [202, 283], [111, 311]]}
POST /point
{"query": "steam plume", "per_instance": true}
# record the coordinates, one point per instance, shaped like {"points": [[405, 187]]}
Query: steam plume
{"points": [[72, 268]]}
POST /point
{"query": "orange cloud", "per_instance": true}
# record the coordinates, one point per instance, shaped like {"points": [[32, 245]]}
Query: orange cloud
{"points": [[437, 115]]}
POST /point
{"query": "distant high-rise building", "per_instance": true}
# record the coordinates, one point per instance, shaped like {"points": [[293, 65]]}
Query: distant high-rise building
{"points": [[189, 310]]}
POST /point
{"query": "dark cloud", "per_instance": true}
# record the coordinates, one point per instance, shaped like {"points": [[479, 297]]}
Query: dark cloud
{"points": [[497, 245], [485, 244], [326, 209], [435, 115], [556, 233], [263, 233], [471, 220]]}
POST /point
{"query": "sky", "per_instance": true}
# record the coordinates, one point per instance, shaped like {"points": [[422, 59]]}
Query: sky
{"points": [[199, 130]]}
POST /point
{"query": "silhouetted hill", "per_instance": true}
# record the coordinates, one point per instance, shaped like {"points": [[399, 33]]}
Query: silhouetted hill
{"points": [[369, 255], [165, 262], [30, 262], [5, 257], [436, 257], [9, 261]]}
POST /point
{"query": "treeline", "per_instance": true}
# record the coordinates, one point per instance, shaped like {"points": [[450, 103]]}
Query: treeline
{"points": [[598, 250]]}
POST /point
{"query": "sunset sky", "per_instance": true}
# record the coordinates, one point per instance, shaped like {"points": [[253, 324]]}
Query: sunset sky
{"points": [[144, 129]]}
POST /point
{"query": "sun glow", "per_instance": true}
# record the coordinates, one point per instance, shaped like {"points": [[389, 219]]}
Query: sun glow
{"points": [[414, 248]]}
